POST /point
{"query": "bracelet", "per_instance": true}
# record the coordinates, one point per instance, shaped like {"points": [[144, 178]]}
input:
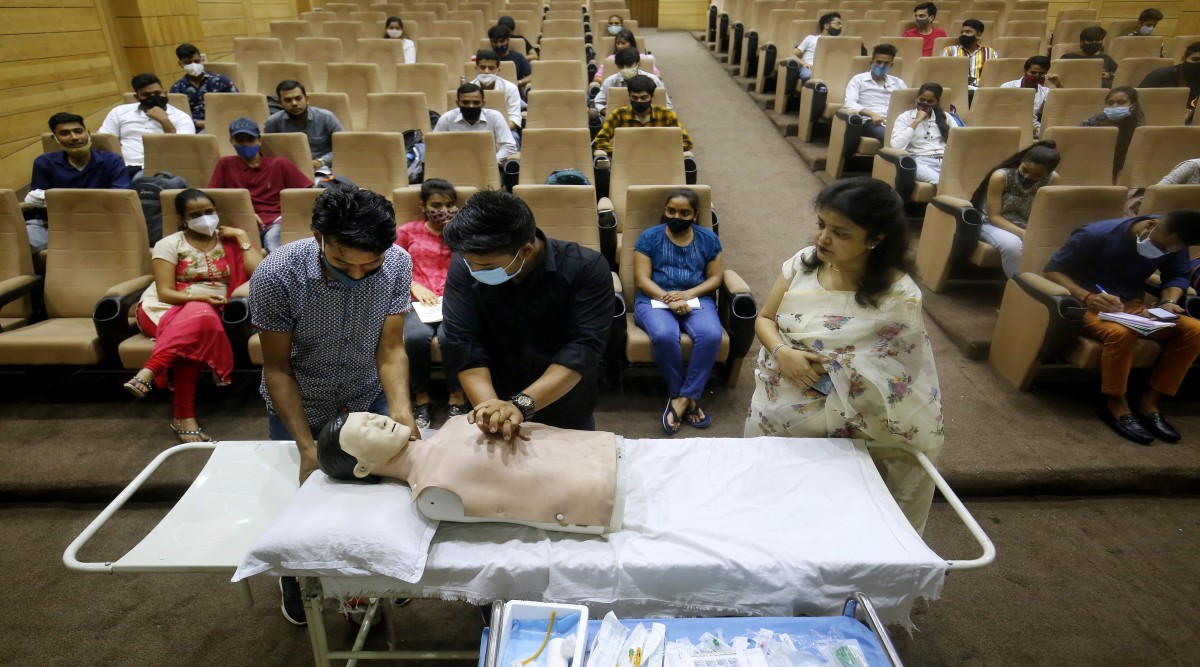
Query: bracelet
{"points": [[776, 348], [1086, 297], [1170, 301]]}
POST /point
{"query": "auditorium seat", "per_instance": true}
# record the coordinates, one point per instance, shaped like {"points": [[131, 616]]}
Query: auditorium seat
{"points": [[559, 75], [374, 160], [1154, 152], [192, 157], [1164, 106], [436, 8], [349, 32], [463, 30], [557, 109], [822, 96], [316, 20], [562, 48], [1007, 46], [839, 150], [271, 74], [947, 237], [19, 284], [385, 54], [318, 52], [1069, 107], [466, 158], [97, 266], [221, 109], [446, 51], [428, 78], [754, 33], [775, 45], [291, 146], [1087, 153], [641, 156], [230, 70], [564, 212], [397, 112], [1134, 70], [477, 19], [997, 71], [544, 151], [950, 72], [296, 207], [1179, 46], [1133, 46], [249, 51], [287, 32], [1066, 31], [562, 28], [357, 80], [1173, 197], [887, 166], [339, 104], [1004, 107]]}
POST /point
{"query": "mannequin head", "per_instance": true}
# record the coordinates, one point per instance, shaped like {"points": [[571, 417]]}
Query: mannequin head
{"points": [[352, 445]]}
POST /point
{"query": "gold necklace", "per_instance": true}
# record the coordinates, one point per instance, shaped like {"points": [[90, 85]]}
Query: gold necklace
{"points": [[837, 270]]}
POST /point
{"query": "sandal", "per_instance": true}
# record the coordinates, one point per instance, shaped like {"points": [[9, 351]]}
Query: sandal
{"points": [[198, 433], [138, 387], [670, 412], [700, 422]]}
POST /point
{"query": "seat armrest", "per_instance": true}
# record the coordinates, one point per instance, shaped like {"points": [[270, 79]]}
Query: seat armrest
{"points": [[606, 220], [737, 311], [511, 173], [894, 169], [111, 314], [614, 352], [816, 84], [18, 286], [235, 319], [1191, 305], [968, 220], [1065, 311], [844, 113], [604, 204], [133, 287]]}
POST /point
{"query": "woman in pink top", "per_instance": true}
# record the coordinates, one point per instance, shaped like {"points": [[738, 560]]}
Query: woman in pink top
{"points": [[431, 262]]}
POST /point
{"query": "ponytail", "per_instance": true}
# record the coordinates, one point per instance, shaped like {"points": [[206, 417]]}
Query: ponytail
{"points": [[1044, 152]]}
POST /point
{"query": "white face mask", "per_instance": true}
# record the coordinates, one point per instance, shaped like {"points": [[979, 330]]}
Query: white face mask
{"points": [[486, 79], [629, 73], [205, 224], [194, 69], [614, 29], [394, 33]]}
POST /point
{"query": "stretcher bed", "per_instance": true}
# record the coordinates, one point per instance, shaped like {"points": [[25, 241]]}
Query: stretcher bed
{"points": [[763, 526]]}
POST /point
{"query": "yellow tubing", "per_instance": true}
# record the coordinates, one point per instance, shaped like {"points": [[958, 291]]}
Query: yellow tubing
{"points": [[549, 629]]}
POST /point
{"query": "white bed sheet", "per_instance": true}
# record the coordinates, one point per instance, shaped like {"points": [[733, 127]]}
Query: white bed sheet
{"points": [[764, 526]]}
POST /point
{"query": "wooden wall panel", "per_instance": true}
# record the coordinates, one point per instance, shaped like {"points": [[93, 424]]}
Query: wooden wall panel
{"points": [[682, 14]]}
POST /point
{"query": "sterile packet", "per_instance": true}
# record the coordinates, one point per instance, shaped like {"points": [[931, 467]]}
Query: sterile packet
{"points": [[606, 646]]}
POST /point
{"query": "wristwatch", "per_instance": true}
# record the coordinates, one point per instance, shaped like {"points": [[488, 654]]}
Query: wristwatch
{"points": [[524, 403], [246, 246]]}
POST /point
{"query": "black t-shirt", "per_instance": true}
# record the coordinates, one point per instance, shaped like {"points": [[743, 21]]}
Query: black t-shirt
{"points": [[523, 68], [1168, 77]]}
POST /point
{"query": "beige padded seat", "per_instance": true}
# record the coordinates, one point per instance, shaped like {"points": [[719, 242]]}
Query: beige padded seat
{"points": [[562, 28], [1154, 152], [287, 32], [1069, 107], [291, 146], [1036, 28], [1134, 70], [908, 49], [318, 52], [233, 71], [479, 24], [428, 78], [1132, 46], [357, 80], [463, 158], [1078, 72], [1009, 45], [559, 75], [1003, 107], [758, 23], [397, 112], [317, 21], [296, 206], [463, 30], [641, 156], [776, 33], [1163, 106], [900, 101], [190, 156], [349, 32], [885, 168], [386, 54], [1179, 46], [562, 48], [341, 9], [1087, 154], [339, 104], [373, 160], [1163, 198], [997, 71], [221, 109], [557, 109], [833, 66], [1022, 14], [16, 264], [1066, 31], [438, 9], [871, 32], [271, 74], [373, 22], [445, 51], [250, 51], [98, 247], [564, 212], [544, 151], [100, 141]]}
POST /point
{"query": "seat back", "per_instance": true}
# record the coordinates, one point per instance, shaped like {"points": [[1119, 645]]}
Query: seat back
{"points": [[908, 49], [446, 51], [1179, 46], [407, 201], [428, 78], [1087, 154], [296, 207], [437, 9], [1154, 152], [833, 63], [1133, 46], [1071, 106], [191, 156], [1015, 15], [231, 71], [564, 212], [495, 101], [249, 51], [779, 24], [950, 72], [1024, 29], [233, 207], [559, 75], [760, 13], [477, 19], [562, 48], [544, 151], [1001, 70], [562, 28], [1163, 106], [644, 156], [1004, 107], [871, 32], [463, 30], [318, 52], [373, 22], [1160, 198], [316, 21], [221, 109], [349, 32], [15, 259], [557, 109], [970, 153], [100, 141], [1030, 45], [468, 158], [98, 240], [1066, 30], [356, 80], [385, 54], [890, 17], [1133, 70], [341, 9], [287, 32], [643, 210], [397, 112], [291, 146], [1059, 210], [373, 160], [270, 74], [338, 104]]}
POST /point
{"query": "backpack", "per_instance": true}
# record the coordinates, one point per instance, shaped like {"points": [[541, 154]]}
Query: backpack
{"points": [[567, 177], [414, 150], [149, 187]]}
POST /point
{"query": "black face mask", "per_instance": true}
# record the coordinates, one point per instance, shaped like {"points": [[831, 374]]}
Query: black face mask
{"points": [[640, 107], [471, 114], [500, 50], [676, 225], [159, 101], [1190, 70], [1090, 48], [834, 32], [967, 40]]}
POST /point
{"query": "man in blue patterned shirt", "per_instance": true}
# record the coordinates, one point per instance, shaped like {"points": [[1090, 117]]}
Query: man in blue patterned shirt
{"points": [[196, 82]]}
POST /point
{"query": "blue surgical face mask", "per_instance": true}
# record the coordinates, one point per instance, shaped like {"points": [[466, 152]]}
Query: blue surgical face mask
{"points": [[880, 71], [1117, 113], [339, 274], [1147, 249], [247, 152], [498, 275], [1146, 30]]}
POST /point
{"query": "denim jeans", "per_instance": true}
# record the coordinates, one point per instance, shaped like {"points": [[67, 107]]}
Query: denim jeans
{"points": [[663, 326], [1008, 244], [271, 236], [418, 343]]}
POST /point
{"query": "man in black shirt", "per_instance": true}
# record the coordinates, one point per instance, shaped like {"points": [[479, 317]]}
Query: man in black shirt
{"points": [[526, 318], [498, 35], [1184, 75], [1091, 45]]}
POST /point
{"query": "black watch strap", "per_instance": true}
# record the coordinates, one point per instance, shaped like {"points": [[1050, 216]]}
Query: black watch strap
{"points": [[524, 403]]}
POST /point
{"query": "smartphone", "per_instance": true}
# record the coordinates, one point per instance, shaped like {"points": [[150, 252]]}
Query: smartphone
{"points": [[824, 385], [1162, 314]]}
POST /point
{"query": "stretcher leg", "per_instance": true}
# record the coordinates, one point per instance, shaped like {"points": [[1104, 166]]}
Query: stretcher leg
{"points": [[310, 588]]}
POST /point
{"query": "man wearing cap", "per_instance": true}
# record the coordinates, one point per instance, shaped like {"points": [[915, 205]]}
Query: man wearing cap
{"points": [[264, 177]]}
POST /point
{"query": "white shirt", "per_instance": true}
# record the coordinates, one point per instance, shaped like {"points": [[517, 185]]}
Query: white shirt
{"points": [[489, 121], [925, 140], [410, 51], [129, 122], [618, 81], [808, 49], [1039, 101], [863, 92], [511, 95]]}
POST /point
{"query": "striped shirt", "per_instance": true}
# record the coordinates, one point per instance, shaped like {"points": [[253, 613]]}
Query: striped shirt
{"points": [[977, 59]]}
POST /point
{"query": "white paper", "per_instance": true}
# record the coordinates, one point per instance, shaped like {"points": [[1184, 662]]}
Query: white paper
{"points": [[1138, 323], [429, 314], [694, 303]]}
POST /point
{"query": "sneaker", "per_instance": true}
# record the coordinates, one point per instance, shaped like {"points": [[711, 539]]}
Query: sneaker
{"points": [[456, 409], [423, 414], [293, 603]]}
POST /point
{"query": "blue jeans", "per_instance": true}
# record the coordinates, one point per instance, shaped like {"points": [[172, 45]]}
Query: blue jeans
{"points": [[271, 236], [702, 326], [276, 430], [1009, 246], [418, 343]]}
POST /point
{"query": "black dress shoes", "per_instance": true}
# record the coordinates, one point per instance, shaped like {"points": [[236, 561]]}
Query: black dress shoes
{"points": [[1127, 426], [1159, 426]]}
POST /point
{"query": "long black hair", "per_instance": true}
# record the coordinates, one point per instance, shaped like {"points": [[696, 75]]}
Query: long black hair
{"points": [[1125, 126], [939, 116], [877, 208], [1043, 153], [625, 36]]}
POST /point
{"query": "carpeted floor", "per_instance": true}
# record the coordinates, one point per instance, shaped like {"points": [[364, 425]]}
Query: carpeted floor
{"points": [[1090, 581]]}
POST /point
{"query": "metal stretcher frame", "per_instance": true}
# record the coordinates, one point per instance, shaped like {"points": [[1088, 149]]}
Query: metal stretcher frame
{"points": [[311, 586]]}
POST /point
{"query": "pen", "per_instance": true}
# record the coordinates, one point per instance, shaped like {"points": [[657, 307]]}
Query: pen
{"points": [[1101, 289]]}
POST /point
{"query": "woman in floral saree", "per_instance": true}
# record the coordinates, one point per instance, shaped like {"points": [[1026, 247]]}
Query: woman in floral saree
{"points": [[845, 351]]}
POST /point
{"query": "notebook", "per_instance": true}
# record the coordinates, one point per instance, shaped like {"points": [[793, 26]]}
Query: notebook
{"points": [[1142, 325]]}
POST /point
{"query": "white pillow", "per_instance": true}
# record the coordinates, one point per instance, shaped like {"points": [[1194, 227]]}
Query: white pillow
{"points": [[333, 528]]}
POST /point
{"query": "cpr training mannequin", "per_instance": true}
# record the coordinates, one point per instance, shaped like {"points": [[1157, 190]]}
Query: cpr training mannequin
{"points": [[559, 479]]}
